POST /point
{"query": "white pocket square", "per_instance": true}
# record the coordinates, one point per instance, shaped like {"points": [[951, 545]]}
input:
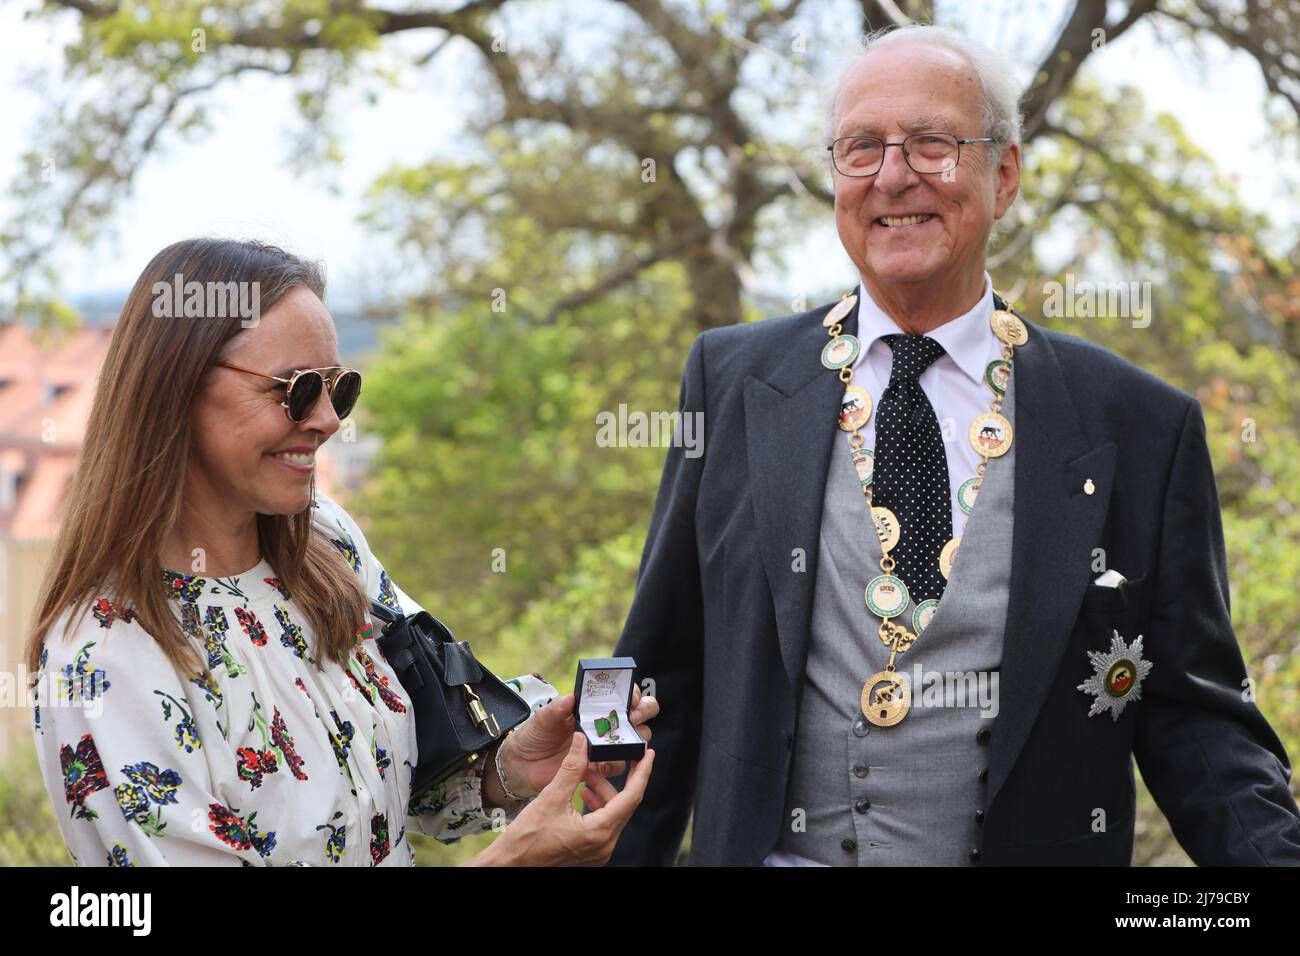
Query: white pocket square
{"points": [[1110, 579]]}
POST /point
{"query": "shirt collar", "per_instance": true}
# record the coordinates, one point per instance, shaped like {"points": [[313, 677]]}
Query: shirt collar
{"points": [[967, 338]]}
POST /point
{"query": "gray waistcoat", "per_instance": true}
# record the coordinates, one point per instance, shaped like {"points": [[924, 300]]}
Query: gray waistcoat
{"points": [[907, 795]]}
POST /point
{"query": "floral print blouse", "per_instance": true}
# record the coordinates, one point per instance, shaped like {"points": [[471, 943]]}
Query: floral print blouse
{"points": [[265, 762]]}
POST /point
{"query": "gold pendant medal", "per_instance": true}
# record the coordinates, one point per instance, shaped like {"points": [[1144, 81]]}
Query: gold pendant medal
{"points": [[1008, 328], [887, 528], [998, 374], [855, 408], [947, 556], [990, 435], [840, 310], [886, 698]]}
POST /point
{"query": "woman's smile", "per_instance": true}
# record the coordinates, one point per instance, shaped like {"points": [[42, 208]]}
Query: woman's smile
{"points": [[301, 460]]}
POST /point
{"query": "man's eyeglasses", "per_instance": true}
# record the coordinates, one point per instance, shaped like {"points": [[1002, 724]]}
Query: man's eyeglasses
{"points": [[305, 387], [924, 152]]}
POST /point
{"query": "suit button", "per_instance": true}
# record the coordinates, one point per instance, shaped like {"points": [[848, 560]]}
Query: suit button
{"points": [[979, 816], [984, 775], [862, 806], [860, 727], [848, 846], [860, 770], [974, 855], [787, 738], [983, 735]]}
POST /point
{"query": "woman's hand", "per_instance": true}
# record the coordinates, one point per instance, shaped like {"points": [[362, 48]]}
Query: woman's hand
{"points": [[533, 752], [549, 832]]}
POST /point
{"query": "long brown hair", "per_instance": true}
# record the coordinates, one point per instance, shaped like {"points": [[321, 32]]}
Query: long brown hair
{"points": [[127, 492]]}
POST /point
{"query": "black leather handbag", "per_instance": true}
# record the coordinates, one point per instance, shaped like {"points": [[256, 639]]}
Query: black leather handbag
{"points": [[460, 706]]}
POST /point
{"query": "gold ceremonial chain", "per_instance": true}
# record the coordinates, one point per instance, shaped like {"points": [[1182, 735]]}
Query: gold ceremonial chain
{"points": [[887, 696]]}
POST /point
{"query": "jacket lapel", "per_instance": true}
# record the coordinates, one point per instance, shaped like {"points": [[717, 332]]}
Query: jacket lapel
{"points": [[790, 427], [1056, 526]]}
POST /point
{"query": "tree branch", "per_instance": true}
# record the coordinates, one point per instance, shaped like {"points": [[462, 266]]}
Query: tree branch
{"points": [[1270, 47], [1074, 45], [1125, 169], [700, 234]]}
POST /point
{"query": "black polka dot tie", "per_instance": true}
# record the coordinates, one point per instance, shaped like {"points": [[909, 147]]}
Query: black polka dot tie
{"points": [[911, 469]]}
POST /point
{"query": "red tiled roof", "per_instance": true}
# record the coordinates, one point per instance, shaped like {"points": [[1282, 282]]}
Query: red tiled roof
{"points": [[47, 382], [40, 503]]}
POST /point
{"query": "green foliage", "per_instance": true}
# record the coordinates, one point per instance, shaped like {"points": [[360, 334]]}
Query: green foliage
{"points": [[490, 456], [29, 834]]}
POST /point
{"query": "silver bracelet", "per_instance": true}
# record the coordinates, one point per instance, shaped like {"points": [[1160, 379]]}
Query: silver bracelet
{"points": [[501, 776]]}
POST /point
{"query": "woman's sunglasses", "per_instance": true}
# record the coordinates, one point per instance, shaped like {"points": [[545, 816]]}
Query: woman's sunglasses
{"points": [[305, 387]]}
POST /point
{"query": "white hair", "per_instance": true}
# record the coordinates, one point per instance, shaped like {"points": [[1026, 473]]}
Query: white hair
{"points": [[1000, 116]]}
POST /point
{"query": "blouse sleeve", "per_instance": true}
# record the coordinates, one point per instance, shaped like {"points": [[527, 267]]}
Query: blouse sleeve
{"points": [[454, 808], [121, 754]]}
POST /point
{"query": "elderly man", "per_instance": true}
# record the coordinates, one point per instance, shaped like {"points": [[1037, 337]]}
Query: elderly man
{"points": [[880, 640]]}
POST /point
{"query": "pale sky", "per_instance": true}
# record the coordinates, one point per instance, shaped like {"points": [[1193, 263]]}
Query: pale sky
{"points": [[235, 181]]}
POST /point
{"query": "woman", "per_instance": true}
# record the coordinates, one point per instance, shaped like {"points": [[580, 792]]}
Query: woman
{"points": [[209, 691]]}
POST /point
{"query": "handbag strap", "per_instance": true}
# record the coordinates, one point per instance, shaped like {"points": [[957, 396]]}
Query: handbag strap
{"points": [[383, 612]]}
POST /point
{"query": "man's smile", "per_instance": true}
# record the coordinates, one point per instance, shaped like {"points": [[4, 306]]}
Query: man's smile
{"points": [[904, 222]]}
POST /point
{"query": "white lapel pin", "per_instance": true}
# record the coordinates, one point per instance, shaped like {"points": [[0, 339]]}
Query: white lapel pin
{"points": [[1117, 676]]}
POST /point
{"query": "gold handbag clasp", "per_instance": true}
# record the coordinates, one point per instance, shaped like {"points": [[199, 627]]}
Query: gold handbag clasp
{"points": [[479, 714]]}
